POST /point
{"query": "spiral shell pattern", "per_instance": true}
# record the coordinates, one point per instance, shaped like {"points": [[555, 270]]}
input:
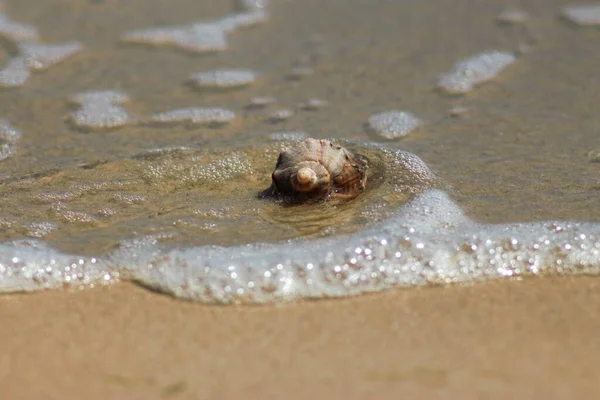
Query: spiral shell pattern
{"points": [[319, 169]]}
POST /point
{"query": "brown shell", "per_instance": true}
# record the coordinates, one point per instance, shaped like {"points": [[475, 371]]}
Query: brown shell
{"points": [[319, 169]]}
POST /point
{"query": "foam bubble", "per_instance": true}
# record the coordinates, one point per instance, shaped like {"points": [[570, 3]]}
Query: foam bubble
{"points": [[475, 70], [15, 73], [393, 124], [195, 115], [242, 20], [512, 16], [224, 78], [281, 115], [28, 265], [9, 137], [293, 136], [429, 242], [200, 37], [41, 56], [101, 96], [583, 14], [16, 31], [100, 110], [40, 229], [197, 38], [260, 102]]}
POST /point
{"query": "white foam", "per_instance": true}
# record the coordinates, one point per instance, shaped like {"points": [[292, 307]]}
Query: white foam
{"points": [[224, 78], [100, 110], [292, 135], [430, 241], [583, 14], [16, 31], [242, 20], [202, 36], [475, 70], [32, 54], [41, 56], [197, 38], [259, 102], [512, 16], [28, 265], [9, 136], [195, 115], [394, 124], [15, 73], [281, 115]]}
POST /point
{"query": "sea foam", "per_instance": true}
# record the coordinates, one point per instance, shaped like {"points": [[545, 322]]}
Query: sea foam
{"points": [[202, 36], [429, 241], [33, 55], [475, 70]]}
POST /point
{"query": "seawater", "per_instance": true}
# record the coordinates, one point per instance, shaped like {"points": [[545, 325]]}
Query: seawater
{"points": [[175, 209]]}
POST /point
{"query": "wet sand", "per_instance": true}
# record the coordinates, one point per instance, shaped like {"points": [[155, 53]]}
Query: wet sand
{"points": [[519, 340], [518, 155]]}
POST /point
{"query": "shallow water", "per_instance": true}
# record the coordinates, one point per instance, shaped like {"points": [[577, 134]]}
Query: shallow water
{"points": [[517, 153]]}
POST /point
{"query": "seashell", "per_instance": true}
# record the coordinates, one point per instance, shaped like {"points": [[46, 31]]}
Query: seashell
{"points": [[318, 169]]}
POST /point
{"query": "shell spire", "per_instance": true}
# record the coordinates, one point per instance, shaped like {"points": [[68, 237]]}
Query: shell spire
{"points": [[317, 169]]}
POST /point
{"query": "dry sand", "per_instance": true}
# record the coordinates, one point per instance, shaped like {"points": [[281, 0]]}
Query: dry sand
{"points": [[519, 340]]}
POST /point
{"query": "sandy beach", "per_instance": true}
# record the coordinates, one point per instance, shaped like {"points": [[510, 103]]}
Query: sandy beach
{"points": [[518, 154], [520, 340]]}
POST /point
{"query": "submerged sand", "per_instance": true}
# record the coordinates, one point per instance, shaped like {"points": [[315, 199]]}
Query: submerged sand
{"points": [[518, 154]]}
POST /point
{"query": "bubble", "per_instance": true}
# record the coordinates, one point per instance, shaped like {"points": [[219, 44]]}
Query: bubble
{"points": [[100, 110], [40, 229], [583, 14], [512, 17], [293, 136], [241, 20], [28, 265], [594, 155], [9, 137], [474, 71], [41, 56], [102, 96], [224, 78], [393, 124], [16, 31], [197, 38], [281, 115], [195, 116], [15, 73], [129, 199], [200, 37], [260, 102], [32, 54]]}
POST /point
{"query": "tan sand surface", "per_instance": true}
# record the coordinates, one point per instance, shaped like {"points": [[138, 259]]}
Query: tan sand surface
{"points": [[519, 340]]}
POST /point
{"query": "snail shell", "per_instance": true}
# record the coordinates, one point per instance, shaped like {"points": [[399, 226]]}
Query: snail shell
{"points": [[318, 169]]}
